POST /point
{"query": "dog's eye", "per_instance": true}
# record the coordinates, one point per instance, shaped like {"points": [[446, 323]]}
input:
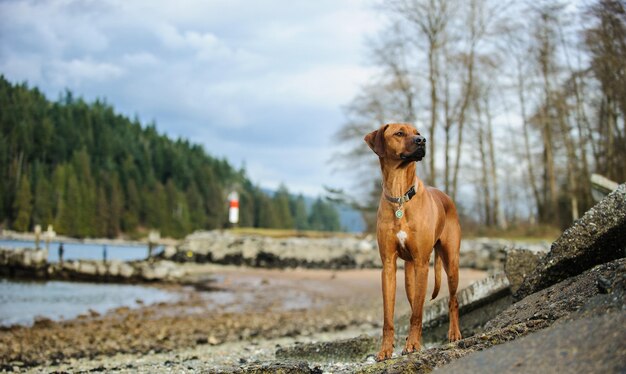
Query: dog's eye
{"points": [[399, 133]]}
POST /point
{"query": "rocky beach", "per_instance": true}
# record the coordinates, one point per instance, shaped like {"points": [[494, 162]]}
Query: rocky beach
{"points": [[253, 305]]}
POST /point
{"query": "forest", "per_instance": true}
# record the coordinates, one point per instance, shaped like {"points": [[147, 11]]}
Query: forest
{"points": [[92, 172], [521, 102]]}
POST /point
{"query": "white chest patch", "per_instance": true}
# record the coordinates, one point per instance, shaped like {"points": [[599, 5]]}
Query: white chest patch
{"points": [[401, 235]]}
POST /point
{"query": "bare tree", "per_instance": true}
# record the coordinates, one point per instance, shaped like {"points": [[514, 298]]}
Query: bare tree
{"points": [[430, 19], [605, 39], [565, 102]]}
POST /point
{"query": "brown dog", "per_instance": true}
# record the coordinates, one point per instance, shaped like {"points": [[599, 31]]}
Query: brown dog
{"points": [[412, 220]]}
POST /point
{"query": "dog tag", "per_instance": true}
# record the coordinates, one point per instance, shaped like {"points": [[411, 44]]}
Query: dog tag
{"points": [[399, 213]]}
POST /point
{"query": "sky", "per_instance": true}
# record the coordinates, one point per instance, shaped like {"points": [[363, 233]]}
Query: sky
{"points": [[260, 83]]}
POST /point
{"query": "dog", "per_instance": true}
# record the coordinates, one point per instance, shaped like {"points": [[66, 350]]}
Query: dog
{"points": [[412, 220]]}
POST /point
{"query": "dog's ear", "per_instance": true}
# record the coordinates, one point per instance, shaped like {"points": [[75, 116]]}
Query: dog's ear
{"points": [[376, 141]]}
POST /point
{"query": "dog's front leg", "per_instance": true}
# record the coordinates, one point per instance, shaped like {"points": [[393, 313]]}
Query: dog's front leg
{"points": [[388, 277], [413, 341]]}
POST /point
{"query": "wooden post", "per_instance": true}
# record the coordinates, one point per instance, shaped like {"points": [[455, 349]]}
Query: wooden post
{"points": [[153, 237], [37, 236], [49, 235]]}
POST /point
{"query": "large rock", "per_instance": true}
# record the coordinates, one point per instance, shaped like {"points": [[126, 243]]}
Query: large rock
{"points": [[257, 251], [589, 337], [598, 237], [592, 345], [519, 263], [23, 257], [568, 296], [160, 271], [88, 268], [126, 270], [224, 247], [587, 315]]}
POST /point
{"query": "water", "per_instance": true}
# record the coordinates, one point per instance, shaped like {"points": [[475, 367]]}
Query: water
{"points": [[83, 251], [21, 302]]}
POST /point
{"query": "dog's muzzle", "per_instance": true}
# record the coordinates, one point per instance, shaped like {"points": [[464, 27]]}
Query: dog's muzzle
{"points": [[420, 150]]}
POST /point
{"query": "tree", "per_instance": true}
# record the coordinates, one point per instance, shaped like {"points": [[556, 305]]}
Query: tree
{"points": [[605, 39], [60, 145], [132, 208], [43, 199], [266, 212], [281, 207], [324, 217], [23, 205], [299, 213]]}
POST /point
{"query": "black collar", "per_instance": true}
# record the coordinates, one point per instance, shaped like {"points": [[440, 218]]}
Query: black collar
{"points": [[402, 199]]}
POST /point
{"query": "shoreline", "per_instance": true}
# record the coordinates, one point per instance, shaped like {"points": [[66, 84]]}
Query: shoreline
{"points": [[248, 305], [30, 237]]}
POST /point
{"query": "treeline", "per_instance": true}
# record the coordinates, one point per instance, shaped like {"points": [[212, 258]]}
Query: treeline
{"points": [[94, 173], [520, 101]]}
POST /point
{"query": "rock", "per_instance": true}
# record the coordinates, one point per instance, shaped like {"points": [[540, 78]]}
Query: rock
{"points": [[126, 270], [590, 345], [114, 268], [598, 237], [589, 336], [102, 268], [23, 257], [427, 360], [169, 251], [564, 298], [88, 268], [279, 368], [589, 333], [160, 270], [339, 350], [70, 265], [223, 247], [519, 263]]}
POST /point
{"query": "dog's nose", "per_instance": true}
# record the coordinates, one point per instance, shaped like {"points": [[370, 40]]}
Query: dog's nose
{"points": [[420, 140]]}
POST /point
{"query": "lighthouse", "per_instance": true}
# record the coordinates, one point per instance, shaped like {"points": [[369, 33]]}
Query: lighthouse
{"points": [[233, 210]]}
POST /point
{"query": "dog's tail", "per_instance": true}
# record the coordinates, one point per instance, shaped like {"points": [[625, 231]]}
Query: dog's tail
{"points": [[437, 273]]}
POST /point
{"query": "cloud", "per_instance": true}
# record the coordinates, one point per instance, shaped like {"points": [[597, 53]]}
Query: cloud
{"points": [[77, 71], [260, 83]]}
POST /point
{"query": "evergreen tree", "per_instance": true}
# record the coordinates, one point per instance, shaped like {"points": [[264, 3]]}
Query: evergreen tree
{"points": [[132, 208], [299, 213], [197, 214], [68, 221], [324, 216], [23, 205], [266, 213], [102, 213], [93, 172], [156, 207], [116, 205], [58, 188], [43, 199], [281, 208]]}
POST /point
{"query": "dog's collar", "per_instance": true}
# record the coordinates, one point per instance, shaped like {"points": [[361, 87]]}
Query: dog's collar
{"points": [[402, 199]]}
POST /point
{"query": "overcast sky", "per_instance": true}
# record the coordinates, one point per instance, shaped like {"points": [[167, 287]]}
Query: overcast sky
{"points": [[261, 83]]}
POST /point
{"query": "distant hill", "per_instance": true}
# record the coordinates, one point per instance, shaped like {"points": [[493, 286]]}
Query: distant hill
{"points": [[92, 172]]}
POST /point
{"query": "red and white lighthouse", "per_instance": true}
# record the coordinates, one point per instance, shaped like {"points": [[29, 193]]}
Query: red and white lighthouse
{"points": [[233, 210]]}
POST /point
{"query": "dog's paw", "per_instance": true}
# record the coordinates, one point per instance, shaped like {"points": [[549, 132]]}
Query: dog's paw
{"points": [[384, 354], [454, 335], [411, 347]]}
